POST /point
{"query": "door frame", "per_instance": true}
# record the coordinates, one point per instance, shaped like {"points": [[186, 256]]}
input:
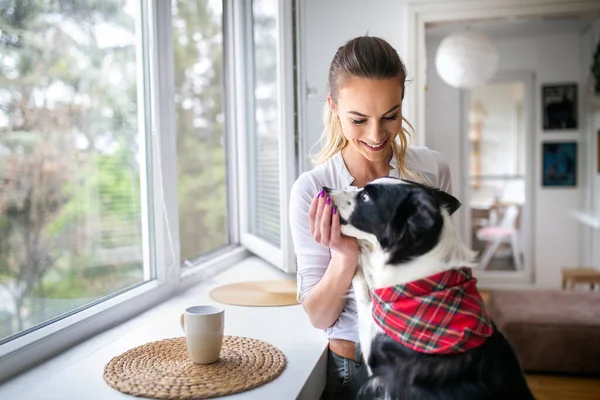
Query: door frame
{"points": [[527, 78], [420, 13]]}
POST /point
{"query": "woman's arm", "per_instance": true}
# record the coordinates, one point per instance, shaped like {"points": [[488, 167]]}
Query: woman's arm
{"points": [[323, 281], [325, 301]]}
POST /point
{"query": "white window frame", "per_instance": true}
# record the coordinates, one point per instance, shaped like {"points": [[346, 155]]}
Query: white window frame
{"points": [[282, 257], [159, 206]]}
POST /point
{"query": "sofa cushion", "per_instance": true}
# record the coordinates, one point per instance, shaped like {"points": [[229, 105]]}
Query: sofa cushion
{"points": [[551, 330]]}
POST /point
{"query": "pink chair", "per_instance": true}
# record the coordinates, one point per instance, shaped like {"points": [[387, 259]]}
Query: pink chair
{"points": [[504, 232]]}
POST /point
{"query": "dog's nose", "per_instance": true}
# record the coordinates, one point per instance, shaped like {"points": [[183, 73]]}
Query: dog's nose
{"points": [[326, 189]]}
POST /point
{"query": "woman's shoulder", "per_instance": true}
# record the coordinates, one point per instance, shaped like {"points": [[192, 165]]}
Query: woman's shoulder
{"points": [[311, 181], [326, 174], [431, 164], [424, 159]]}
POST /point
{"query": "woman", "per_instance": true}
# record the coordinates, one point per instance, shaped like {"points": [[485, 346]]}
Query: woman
{"points": [[363, 140]]}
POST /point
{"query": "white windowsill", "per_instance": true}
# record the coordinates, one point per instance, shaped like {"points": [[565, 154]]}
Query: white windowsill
{"points": [[77, 373]]}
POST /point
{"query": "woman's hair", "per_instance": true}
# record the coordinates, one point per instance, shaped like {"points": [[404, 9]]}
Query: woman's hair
{"points": [[361, 57]]}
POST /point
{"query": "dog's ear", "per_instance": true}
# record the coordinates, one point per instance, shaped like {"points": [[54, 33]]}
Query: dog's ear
{"points": [[396, 228], [449, 202], [414, 214]]}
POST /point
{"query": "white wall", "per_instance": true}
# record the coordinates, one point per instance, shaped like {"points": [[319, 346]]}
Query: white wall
{"points": [[552, 59]]}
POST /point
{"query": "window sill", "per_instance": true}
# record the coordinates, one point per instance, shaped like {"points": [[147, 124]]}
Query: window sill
{"points": [[77, 373]]}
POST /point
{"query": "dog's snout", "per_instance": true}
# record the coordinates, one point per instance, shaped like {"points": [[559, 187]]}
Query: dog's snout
{"points": [[326, 189]]}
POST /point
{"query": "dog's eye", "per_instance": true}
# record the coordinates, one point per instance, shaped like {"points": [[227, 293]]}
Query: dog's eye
{"points": [[364, 197]]}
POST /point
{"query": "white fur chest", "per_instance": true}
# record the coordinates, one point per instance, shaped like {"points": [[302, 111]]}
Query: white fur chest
{"points": [[362, 282]]}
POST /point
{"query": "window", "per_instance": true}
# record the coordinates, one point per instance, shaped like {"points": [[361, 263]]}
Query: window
{"points": [[269, 134], [122, 126], [200, 126], [70, 159], [265, 174]]}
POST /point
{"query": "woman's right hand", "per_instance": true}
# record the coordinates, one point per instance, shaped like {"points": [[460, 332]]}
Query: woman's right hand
{"points": [[326, 228]]}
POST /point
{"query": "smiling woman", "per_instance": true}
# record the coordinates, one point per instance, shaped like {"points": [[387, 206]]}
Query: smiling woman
{"points": [[364, 139]]}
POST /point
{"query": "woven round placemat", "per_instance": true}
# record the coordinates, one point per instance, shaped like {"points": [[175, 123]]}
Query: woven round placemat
{"points": [[163, 369], [257, 293]]}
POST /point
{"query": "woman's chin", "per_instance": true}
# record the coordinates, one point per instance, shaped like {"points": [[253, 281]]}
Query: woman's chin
{"points": [[383, 154]]}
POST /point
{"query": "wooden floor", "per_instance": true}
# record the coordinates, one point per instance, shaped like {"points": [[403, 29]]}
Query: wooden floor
{"points": [[546, 387]]}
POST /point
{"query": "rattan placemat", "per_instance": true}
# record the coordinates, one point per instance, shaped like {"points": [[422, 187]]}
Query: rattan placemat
{"points": [[257, 293], [163, 369]]}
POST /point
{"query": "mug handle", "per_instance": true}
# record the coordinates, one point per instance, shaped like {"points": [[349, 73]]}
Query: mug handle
{"points": [[182, 322]]}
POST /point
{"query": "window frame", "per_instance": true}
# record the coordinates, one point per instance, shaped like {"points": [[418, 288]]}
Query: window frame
{"points": [[159, 202], [282, 257]]}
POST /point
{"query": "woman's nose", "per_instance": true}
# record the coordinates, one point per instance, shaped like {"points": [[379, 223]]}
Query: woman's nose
{"points": [[376, 133]]}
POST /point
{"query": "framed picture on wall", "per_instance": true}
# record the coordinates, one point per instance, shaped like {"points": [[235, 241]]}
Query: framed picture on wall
{"points": [[560, 106], [559, 164]]}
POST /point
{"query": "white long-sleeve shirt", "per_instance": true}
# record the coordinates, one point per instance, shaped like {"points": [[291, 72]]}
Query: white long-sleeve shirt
{"points": [[312, 258]]}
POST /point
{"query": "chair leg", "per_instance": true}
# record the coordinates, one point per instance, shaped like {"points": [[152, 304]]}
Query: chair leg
{"points": [[516, 252], [489, 252]]}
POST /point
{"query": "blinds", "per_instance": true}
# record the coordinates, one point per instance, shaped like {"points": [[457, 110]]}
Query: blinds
{"points": [[267, 217], [266, 212]]}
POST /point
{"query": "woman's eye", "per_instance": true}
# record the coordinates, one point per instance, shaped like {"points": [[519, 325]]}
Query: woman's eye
{"points": [[392, 118], [358, 121], [364, 197]]}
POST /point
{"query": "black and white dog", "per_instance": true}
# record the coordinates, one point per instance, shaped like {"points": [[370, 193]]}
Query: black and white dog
{"points": [[423, 327]]}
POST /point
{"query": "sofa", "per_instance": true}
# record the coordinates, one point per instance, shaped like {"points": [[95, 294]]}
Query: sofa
{"points": [[551, 330]]}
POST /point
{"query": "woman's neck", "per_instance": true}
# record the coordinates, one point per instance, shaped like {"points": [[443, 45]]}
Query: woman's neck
{"points": [[363, 170]]}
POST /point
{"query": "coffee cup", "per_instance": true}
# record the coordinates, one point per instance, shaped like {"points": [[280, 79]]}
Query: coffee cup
{"points": [[203, 327]]}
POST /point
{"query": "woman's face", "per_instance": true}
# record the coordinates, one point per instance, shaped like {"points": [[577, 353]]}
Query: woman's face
{"points": [[370, 112]]}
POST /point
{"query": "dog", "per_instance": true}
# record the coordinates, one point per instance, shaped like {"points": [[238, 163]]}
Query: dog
{"points": [[423, 327]]}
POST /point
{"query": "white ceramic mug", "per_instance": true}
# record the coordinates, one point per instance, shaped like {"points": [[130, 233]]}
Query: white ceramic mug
{"points": [[203, 327]]}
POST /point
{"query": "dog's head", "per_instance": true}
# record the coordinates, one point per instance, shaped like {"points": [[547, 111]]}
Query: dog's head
{"points": [[405, 218]]}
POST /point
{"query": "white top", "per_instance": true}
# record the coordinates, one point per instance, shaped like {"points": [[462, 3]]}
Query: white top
{"points": [[312, 257]]}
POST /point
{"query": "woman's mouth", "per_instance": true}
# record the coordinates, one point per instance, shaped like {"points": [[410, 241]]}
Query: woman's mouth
{"points": [[375, 146]]}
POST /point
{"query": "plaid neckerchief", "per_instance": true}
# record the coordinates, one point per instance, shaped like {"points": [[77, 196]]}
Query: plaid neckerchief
{"points": [[440, 314]]}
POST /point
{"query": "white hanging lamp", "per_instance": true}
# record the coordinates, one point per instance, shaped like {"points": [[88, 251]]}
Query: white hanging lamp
{"points": [[466, 59]]}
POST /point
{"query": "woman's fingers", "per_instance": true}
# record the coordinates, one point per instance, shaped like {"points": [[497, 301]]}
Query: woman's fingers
{"points": [[336, 228], [326, 223], [318, 216]]}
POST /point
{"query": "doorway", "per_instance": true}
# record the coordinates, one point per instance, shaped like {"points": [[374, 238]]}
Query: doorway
{"points": [[497, 134]]}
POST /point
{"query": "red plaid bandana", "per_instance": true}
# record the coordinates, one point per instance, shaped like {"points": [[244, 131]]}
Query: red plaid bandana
{"points": [[440, 314]]}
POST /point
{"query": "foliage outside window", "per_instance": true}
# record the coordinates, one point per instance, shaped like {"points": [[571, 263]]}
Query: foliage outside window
{"points": [[70, 201], [202, 187]]}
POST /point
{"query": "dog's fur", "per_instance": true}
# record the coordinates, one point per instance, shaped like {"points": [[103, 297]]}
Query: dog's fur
{"points": [[405, 234]]}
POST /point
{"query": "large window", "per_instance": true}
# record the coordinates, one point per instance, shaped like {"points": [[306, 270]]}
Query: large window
{"points": [[122, 132], [70, 158], [200, 121], [268, 138]]}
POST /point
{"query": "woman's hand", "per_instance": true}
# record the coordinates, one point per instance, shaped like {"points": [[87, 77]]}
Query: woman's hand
{"points": [[326, 229]]}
